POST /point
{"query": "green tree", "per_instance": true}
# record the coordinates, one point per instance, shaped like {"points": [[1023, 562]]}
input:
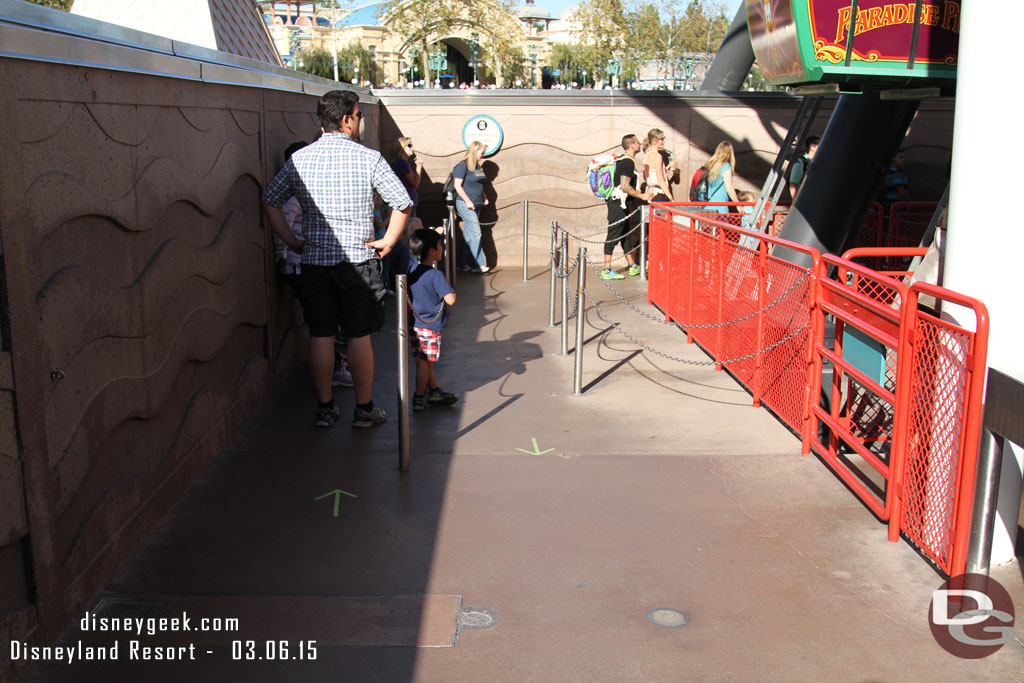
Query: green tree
{"points": [[659, 35], [568, 60], [64, 5], [316, 61], [353, 55], [705, 26], [603, 32]]}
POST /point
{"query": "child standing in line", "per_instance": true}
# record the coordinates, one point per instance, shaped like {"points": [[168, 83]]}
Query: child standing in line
{"points": [[429, 291]]}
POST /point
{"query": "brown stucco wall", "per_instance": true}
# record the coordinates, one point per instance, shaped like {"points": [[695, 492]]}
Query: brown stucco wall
{"points": [[146, 323], [549, 138]]}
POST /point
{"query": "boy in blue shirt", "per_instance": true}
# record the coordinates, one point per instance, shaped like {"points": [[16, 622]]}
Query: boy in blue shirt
{"points": [[429, 292]]}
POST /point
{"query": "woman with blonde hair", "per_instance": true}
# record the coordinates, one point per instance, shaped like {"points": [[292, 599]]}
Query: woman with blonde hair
{"points": [[468, 181], [654, 167], [409, 169], [720, 183]]}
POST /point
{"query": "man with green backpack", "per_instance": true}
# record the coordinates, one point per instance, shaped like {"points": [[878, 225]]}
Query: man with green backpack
{"points": [[614, 180]]}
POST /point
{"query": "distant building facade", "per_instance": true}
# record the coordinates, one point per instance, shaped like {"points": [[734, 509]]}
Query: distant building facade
{"points": [[297, 25]]}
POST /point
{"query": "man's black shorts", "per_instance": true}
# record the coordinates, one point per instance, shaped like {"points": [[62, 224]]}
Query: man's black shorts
{"points": [[346, 294], [620, 228]]}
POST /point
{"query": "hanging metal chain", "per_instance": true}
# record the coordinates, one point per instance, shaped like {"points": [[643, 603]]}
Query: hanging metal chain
{"points": [[514, 208], [686, 361], [557, 266], [500, 219], [596, 268], [589, 229], [437, 315]]}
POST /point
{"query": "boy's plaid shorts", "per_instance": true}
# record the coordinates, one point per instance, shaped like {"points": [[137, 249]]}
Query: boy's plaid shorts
{"points": [[426, 343]]}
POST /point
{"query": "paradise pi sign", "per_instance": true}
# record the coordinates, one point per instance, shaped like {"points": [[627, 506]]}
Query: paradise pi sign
{"points": [[485, 130]]}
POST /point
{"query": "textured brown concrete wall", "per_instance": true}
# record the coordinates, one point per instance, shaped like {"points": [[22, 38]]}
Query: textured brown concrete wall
{"points": [[146, 324], [549, 139]]}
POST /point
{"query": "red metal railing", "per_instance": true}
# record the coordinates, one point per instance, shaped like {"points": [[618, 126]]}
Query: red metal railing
{"points": [[942, 416], [901, 427], [748, 309], [891, 261], [907, 223], [866, 308]]}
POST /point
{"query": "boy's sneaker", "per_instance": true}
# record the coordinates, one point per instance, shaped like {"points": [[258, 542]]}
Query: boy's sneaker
{"points": [[325, 417], [609, 274], [368, 418], [419, 403], [342, 377], [441, 398], [634, 269]]}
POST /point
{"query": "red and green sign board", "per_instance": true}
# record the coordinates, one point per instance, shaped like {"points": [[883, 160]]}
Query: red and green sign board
{"points": [[806, 41]]}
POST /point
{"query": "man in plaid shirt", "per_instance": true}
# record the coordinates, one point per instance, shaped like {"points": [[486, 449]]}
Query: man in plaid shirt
{"points": [[334, 179]]}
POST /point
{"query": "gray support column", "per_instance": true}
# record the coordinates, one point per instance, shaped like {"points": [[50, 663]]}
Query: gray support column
{"points": [[986, 492], [842, 182], [734, 58]]}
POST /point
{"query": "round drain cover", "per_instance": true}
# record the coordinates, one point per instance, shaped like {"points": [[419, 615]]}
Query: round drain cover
{"points": [[477, 618], [668, 618]]}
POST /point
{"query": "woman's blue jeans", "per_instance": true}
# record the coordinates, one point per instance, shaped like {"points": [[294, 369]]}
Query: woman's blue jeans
{"points": [[473, 253]]}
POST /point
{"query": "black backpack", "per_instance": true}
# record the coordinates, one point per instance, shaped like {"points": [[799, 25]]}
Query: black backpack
{"points": [[449, 190]]}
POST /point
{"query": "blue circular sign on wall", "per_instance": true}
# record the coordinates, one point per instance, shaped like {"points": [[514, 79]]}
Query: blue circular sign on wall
{"points": [[485, 130]]}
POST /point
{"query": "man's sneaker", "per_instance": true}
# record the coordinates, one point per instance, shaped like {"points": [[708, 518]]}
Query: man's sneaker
{"points": [[325, 417], [441, 398], [608, 274], [634, 269], [419, 403], [367, 418], [342, 377]]}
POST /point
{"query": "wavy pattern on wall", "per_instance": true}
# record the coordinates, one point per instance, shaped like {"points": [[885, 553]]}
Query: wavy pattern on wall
{"points": [[149, 294], [163, 181], [201, 393]]}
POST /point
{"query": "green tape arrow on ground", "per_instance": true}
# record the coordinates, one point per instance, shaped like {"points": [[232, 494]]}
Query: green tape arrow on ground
{"points": [[337, 498], [536, 449]]}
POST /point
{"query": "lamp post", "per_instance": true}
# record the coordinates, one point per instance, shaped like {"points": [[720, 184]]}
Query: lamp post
{"points": [[614, 68], [438, 63], [293, 45], [473, 46], [355, 77], [533, 68]]}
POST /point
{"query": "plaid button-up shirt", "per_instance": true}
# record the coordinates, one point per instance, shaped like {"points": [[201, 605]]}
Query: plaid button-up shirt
{"points": [[334, 179]]}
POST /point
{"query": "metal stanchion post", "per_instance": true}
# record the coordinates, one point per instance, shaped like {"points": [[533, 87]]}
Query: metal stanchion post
{"points": [[449, 254], [645, 217], [554, 265], [565, 293], [453, 246], [581, 283], [526, 238], [403, 375]]}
